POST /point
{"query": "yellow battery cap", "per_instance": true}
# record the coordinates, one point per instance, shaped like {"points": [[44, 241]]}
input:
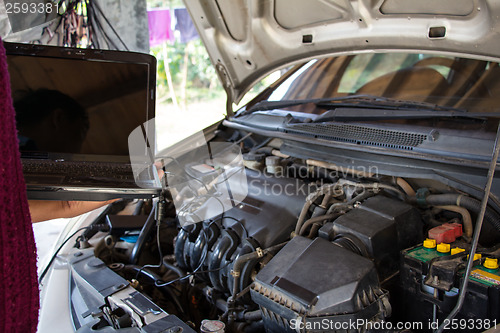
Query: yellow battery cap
{"points": [[443, 248], [491, 263], [456, 250], [429, 243], [477, 256]]}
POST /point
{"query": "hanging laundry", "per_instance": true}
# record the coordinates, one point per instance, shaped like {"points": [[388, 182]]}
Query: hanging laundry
{"points": [[185, 25], [160, 30]]}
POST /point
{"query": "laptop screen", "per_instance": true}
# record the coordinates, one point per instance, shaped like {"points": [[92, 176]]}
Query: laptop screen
{"points": [[79, 101]]}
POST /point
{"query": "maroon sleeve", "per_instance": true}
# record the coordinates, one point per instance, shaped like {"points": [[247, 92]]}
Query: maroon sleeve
{"points": [[19, 298]]}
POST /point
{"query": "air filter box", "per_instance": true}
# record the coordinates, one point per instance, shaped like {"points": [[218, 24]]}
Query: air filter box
{"points": [[385, 226], [316, 282]]}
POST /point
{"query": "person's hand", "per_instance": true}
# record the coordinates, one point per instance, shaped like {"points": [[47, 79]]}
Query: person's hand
{"points": [[159, 168], [41, 210]]}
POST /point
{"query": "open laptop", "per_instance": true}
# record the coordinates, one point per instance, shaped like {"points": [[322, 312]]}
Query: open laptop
{"points": [[75, 110]]}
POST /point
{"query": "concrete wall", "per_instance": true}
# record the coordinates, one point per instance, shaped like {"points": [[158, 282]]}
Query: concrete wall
{"points": [[130, 19], [25, 36]]}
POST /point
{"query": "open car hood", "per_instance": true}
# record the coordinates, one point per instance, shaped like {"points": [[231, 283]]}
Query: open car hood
{"points": [[248, 39]]}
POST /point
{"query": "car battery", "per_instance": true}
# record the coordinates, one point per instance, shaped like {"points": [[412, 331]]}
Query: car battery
{"points": [[430, 278]]}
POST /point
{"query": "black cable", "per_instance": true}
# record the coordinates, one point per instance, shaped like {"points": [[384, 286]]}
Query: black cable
{"points": [[105, 36], [107, 39], [46, 269], [151, 277], [159, 252], [171, 267], [109, 24], [236, 220], [90, 21], [190, 274]]}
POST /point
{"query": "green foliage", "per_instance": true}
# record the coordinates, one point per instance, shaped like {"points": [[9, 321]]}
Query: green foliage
{"points": [[202, 82], [200, 72]]}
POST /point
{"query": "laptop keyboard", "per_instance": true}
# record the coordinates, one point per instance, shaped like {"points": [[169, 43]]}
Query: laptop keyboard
{"points": [[78, 169]]}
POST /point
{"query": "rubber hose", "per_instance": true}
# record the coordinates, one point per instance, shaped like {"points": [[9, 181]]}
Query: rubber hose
{"points": [[314, 230], [143, 236], [405, 186], [243, 259], [467, 220], [466, 202], [252, 315], [316, 219]]}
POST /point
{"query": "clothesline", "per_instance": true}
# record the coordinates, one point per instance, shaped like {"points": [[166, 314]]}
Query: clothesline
{"points": [[160, 22]]}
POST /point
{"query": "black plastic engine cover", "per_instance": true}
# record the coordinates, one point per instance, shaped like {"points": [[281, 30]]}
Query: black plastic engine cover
{"points": [[266, 217], [385, 226], [317, 280]]}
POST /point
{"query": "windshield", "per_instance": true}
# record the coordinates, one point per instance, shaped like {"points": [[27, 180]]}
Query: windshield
{"points": [[468, 84]]}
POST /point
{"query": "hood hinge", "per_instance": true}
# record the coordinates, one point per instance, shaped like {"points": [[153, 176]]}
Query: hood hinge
{"points": [[228, 87]]}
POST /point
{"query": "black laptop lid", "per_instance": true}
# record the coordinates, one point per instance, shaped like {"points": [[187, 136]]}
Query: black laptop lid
{"points": [[79, 101]]}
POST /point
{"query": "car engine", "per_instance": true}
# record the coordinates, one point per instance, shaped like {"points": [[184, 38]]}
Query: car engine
{"points": [[311, 248]]}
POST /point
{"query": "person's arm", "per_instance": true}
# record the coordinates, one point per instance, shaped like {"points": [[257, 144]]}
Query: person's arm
{"points": [[41, 210]]}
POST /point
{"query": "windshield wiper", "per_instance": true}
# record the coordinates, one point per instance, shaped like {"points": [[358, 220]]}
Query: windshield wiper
{"points": [[362, 101], [360, 114], [378, 102]]}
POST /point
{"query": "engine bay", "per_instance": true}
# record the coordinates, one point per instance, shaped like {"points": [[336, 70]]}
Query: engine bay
{"points": [[312, 247]]}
